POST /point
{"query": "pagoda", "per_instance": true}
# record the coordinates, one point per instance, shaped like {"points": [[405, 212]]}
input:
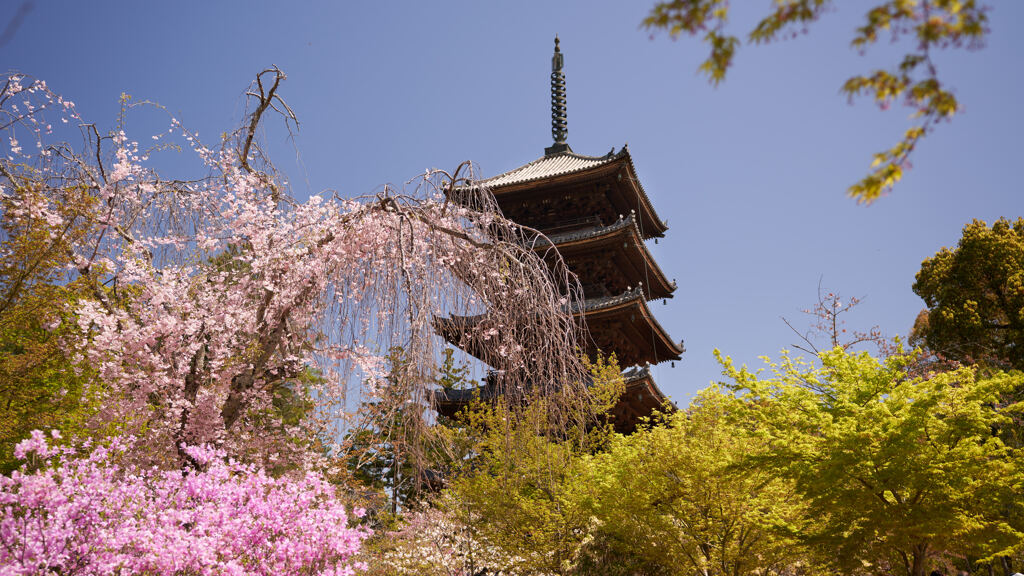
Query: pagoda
{"points": [[594, 210]]}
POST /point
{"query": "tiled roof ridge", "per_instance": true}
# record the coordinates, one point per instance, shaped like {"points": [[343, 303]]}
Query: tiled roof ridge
{"points": [[595, 232], [635, 294], [602, 302], [636, 373], [587, 305], [584, 162]]}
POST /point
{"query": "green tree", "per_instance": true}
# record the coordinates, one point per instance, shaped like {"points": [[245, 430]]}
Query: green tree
{"points": [[452, 375], [975, 296], [514, 490], [899, 473], [41, 387], [672, 499], [932, 24], [41, 384]]}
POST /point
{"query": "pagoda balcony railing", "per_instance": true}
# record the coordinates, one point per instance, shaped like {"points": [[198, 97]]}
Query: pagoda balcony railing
{"points": [[574, 224]]}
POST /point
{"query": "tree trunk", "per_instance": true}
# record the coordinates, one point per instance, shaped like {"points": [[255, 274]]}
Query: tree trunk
{"points": [[919, 567]]}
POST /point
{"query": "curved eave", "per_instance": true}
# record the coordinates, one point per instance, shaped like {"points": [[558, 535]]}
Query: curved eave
{"points": [[640, 399], [565, 238], [465, 333], [623, 235], [641, 380], [660, 224], [630, 303], [448, 402]]}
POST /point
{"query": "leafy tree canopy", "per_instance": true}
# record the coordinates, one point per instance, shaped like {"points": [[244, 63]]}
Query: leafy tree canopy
{"points": [[975, 296], [42, 385], [514, 492], [899, 474], [670, 499]]}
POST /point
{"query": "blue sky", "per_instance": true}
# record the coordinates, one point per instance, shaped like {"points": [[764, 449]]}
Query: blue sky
{"points": [[750, 175]]}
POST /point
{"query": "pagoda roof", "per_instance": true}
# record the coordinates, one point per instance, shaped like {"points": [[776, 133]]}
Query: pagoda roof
{"points": [[640, 398], [562, 238], [622, 237], [613, 325], [611, 321], [549, 166], [456, 398], [610, 302], [640, 378], [566, 167]]}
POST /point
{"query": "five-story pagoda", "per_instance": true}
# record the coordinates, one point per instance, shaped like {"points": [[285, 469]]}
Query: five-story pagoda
{"points": [[594, 210]]}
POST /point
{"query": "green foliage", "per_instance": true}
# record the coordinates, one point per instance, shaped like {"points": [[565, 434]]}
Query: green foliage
{"points": [[292, 403], [975, 296], [933, 24], [452, 376], [854, 467], [514, 490], [676, 498], [379, 451], [898, 473], [41, 387], [514, 500]]}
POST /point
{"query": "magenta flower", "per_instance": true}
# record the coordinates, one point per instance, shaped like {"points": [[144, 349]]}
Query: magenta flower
{"points": [[93, 515]]}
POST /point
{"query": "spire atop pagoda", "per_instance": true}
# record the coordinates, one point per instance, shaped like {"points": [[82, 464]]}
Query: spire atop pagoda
{"points": [[559, 123]]}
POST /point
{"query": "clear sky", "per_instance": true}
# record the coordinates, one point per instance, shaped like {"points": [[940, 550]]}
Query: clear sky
{"points": [[751, 176]]}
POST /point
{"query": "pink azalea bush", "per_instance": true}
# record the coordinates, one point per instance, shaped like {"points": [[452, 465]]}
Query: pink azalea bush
{"points": [[65, 513]]}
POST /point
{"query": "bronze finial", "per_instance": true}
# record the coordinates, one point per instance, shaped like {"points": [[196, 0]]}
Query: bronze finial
{"points": [[559, 123]]}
